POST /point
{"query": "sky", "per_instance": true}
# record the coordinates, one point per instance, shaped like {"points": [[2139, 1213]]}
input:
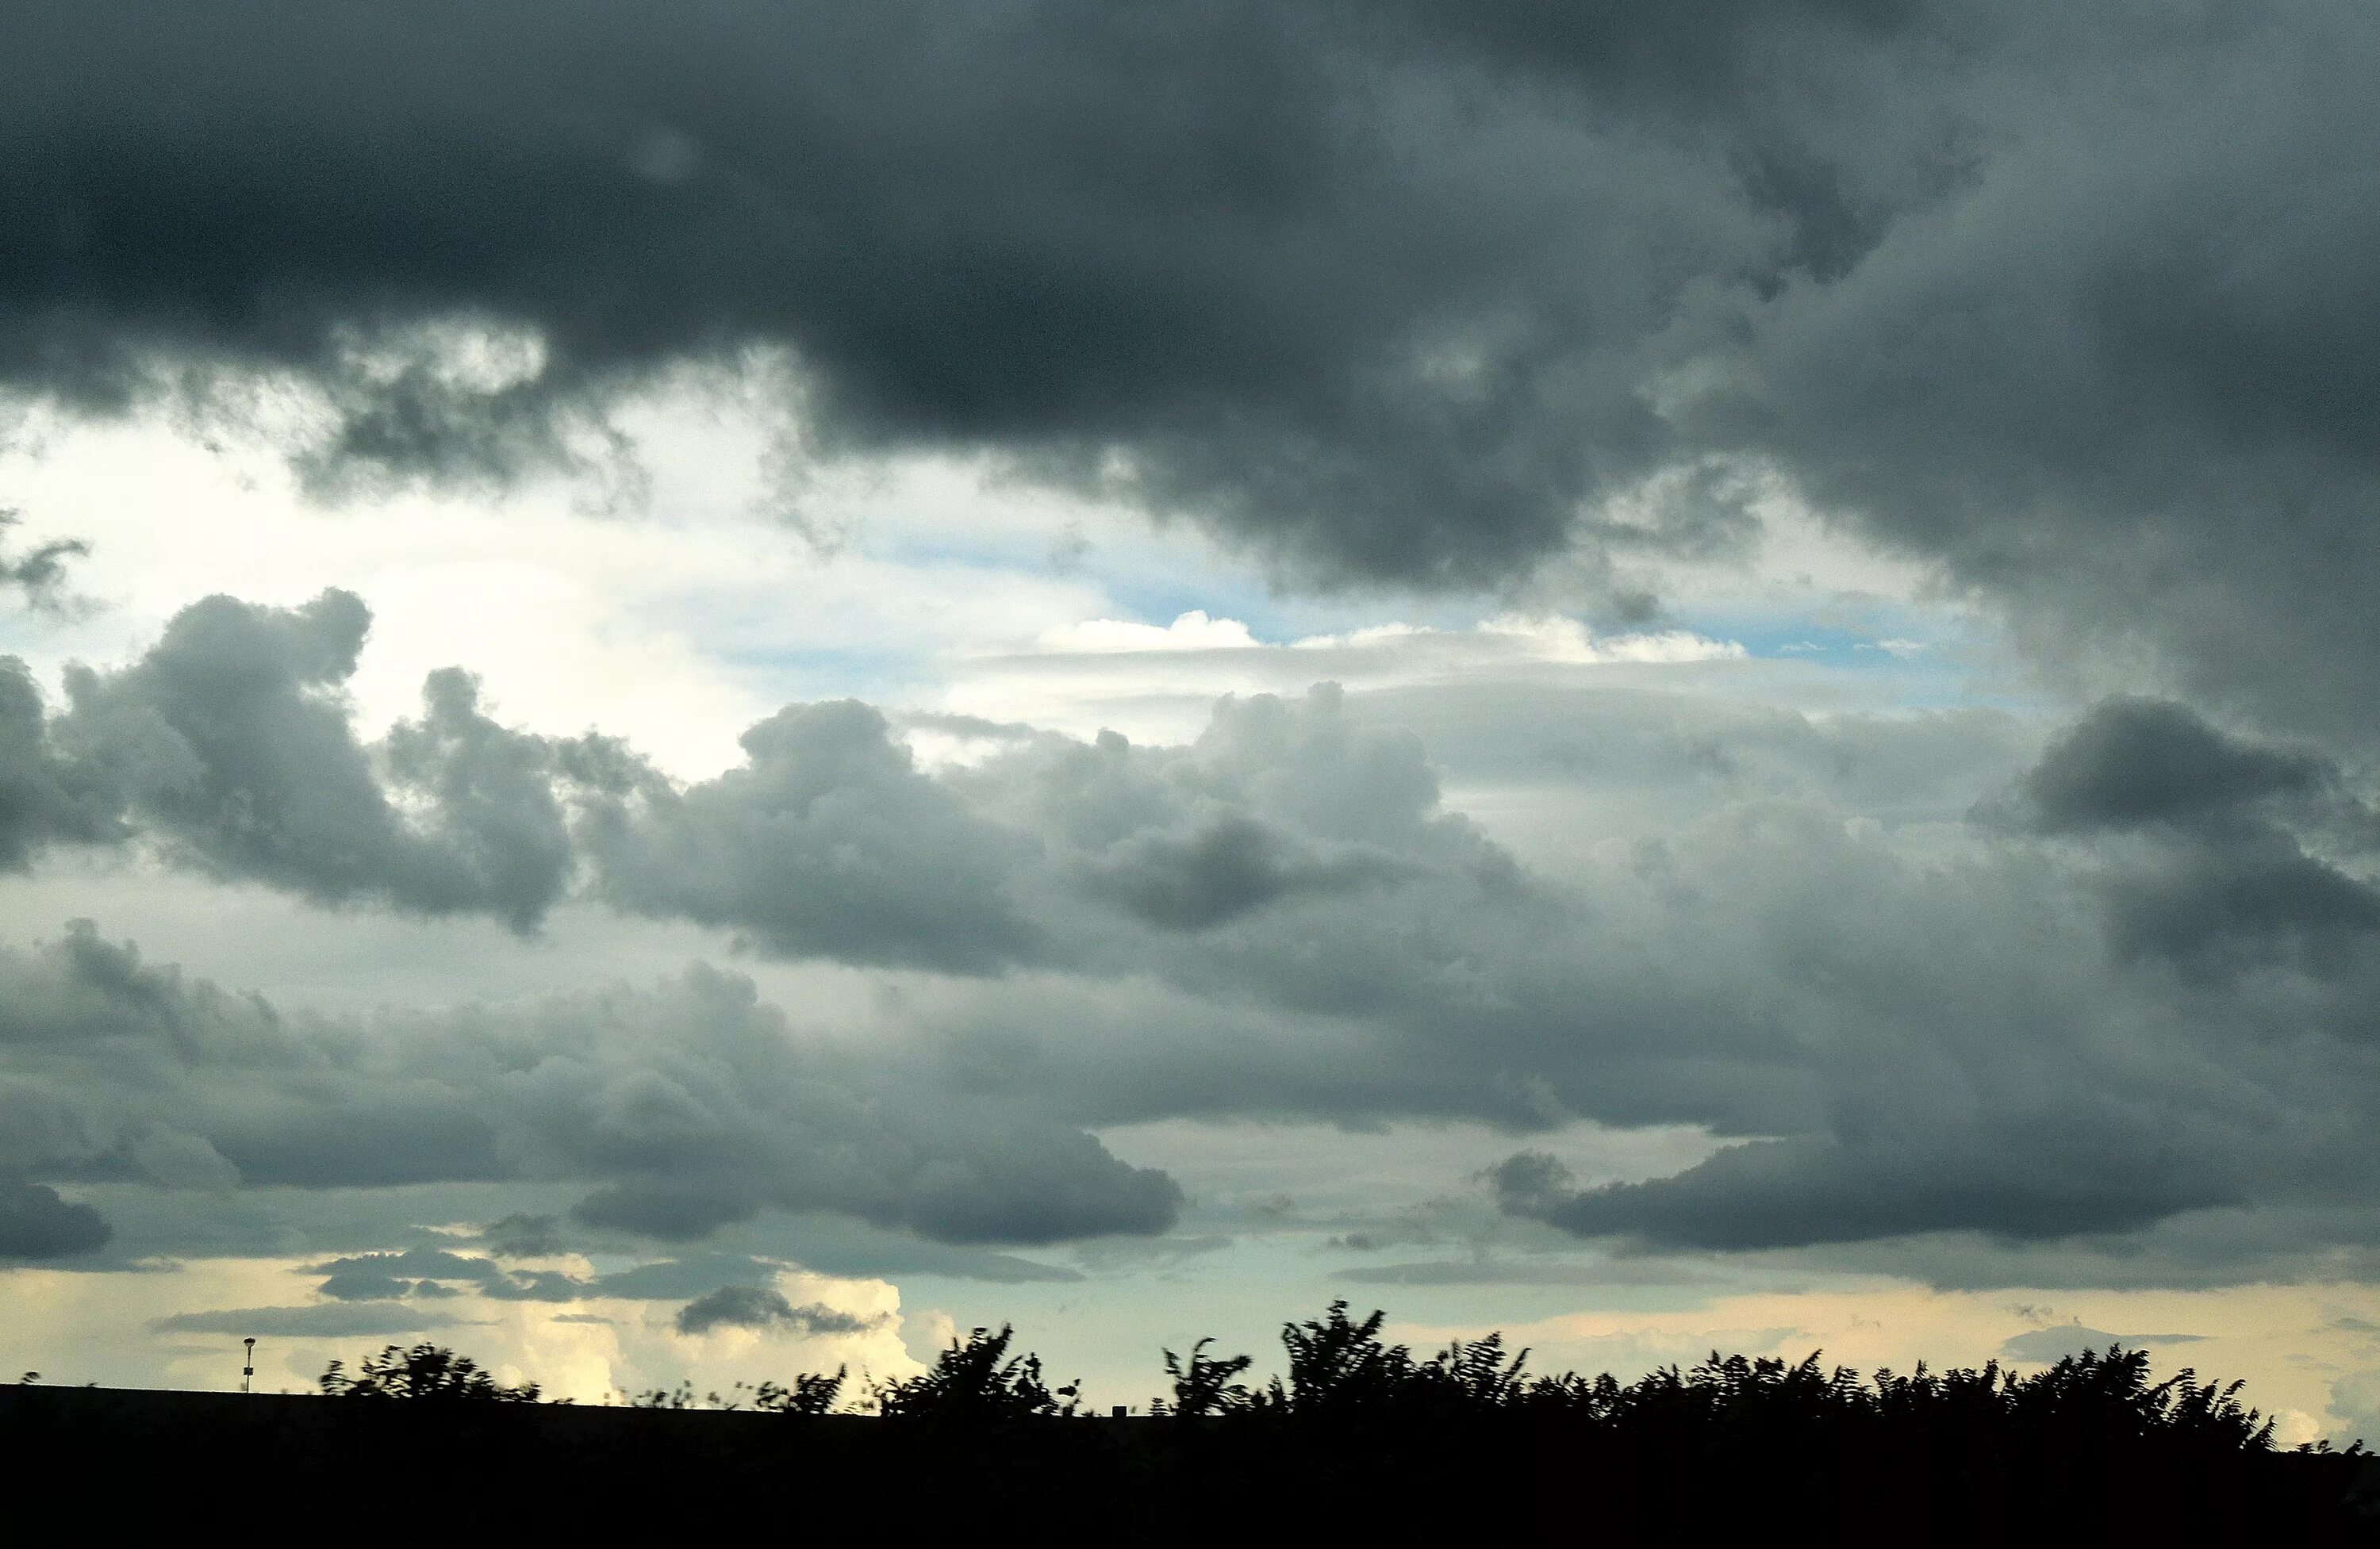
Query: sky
{"points": [[689, 694]]}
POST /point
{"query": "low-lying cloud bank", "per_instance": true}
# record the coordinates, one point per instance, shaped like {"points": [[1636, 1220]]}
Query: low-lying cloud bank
{"points": [[2133, 986], [687, 1105]]}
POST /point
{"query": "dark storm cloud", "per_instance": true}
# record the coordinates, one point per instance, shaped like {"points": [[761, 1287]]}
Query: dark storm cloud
{"points": [[2228, 1245], [691, 1097], [2123, 376], [1394, 293], [2219, 852], [1773, 1193], [1326, 279], [36, 1224], [2134, 761], [760, 1307]]}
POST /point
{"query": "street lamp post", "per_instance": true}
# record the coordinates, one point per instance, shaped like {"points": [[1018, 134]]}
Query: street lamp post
{"points": [[247, 1371]]}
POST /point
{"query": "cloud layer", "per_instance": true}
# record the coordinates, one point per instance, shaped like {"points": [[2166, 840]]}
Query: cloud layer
{"points": [[687, 1105], [1416, 295], [2133, 984]]}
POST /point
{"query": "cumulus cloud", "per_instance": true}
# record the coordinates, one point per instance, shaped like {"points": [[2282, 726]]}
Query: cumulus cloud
{"points": [[228, 747], [230, 743], [766, 1309], [41, 802], [828, 841], [2151, 883]]}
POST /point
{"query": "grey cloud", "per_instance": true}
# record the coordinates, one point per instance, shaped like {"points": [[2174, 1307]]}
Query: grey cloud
{"points": [[687, 1276], [669, 1209], [41, 801], [1628, 752], [827, 841], [2135, 762], [1219, 870], [1768, 1193], [330, 1320], [840, 1245], [2151, 435], [2231, 911], [426, 1271], [691, 1097], [2272, 1243], [522, 1236], [35, 1223], [2355, 1399], [2051, 1345], [2220, 853], [760, 1307], [1975, 1029], [40, 573], [1400, 294], [230, 741], [228, 747], [1901, 1031], [181, 1161], [1189, 242]]}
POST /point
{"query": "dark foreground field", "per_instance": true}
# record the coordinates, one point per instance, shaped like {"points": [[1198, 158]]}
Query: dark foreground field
{"points": [[105, 1462]]}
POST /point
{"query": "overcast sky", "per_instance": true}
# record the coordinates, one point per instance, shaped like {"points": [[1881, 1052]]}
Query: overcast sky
{"points": [[704, 691]]}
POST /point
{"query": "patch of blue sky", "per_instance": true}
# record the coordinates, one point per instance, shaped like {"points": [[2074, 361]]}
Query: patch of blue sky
{"points": [[1156, 599], [1810, 640], [1157, 582], [1926, 661], [805, 674]]}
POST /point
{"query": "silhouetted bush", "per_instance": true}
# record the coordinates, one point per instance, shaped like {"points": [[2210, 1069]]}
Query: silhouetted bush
{"points": [[424, 1372], [811, 1393], [1203, 1386], [976, 1379], [1358, 1433]]}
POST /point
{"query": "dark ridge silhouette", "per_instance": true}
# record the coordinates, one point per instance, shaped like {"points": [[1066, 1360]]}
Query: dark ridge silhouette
{"points": [[1358, 1437]]}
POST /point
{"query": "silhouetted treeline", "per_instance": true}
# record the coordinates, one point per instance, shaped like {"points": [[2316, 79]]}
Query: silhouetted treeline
{"points": [[1358, 1435]]}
